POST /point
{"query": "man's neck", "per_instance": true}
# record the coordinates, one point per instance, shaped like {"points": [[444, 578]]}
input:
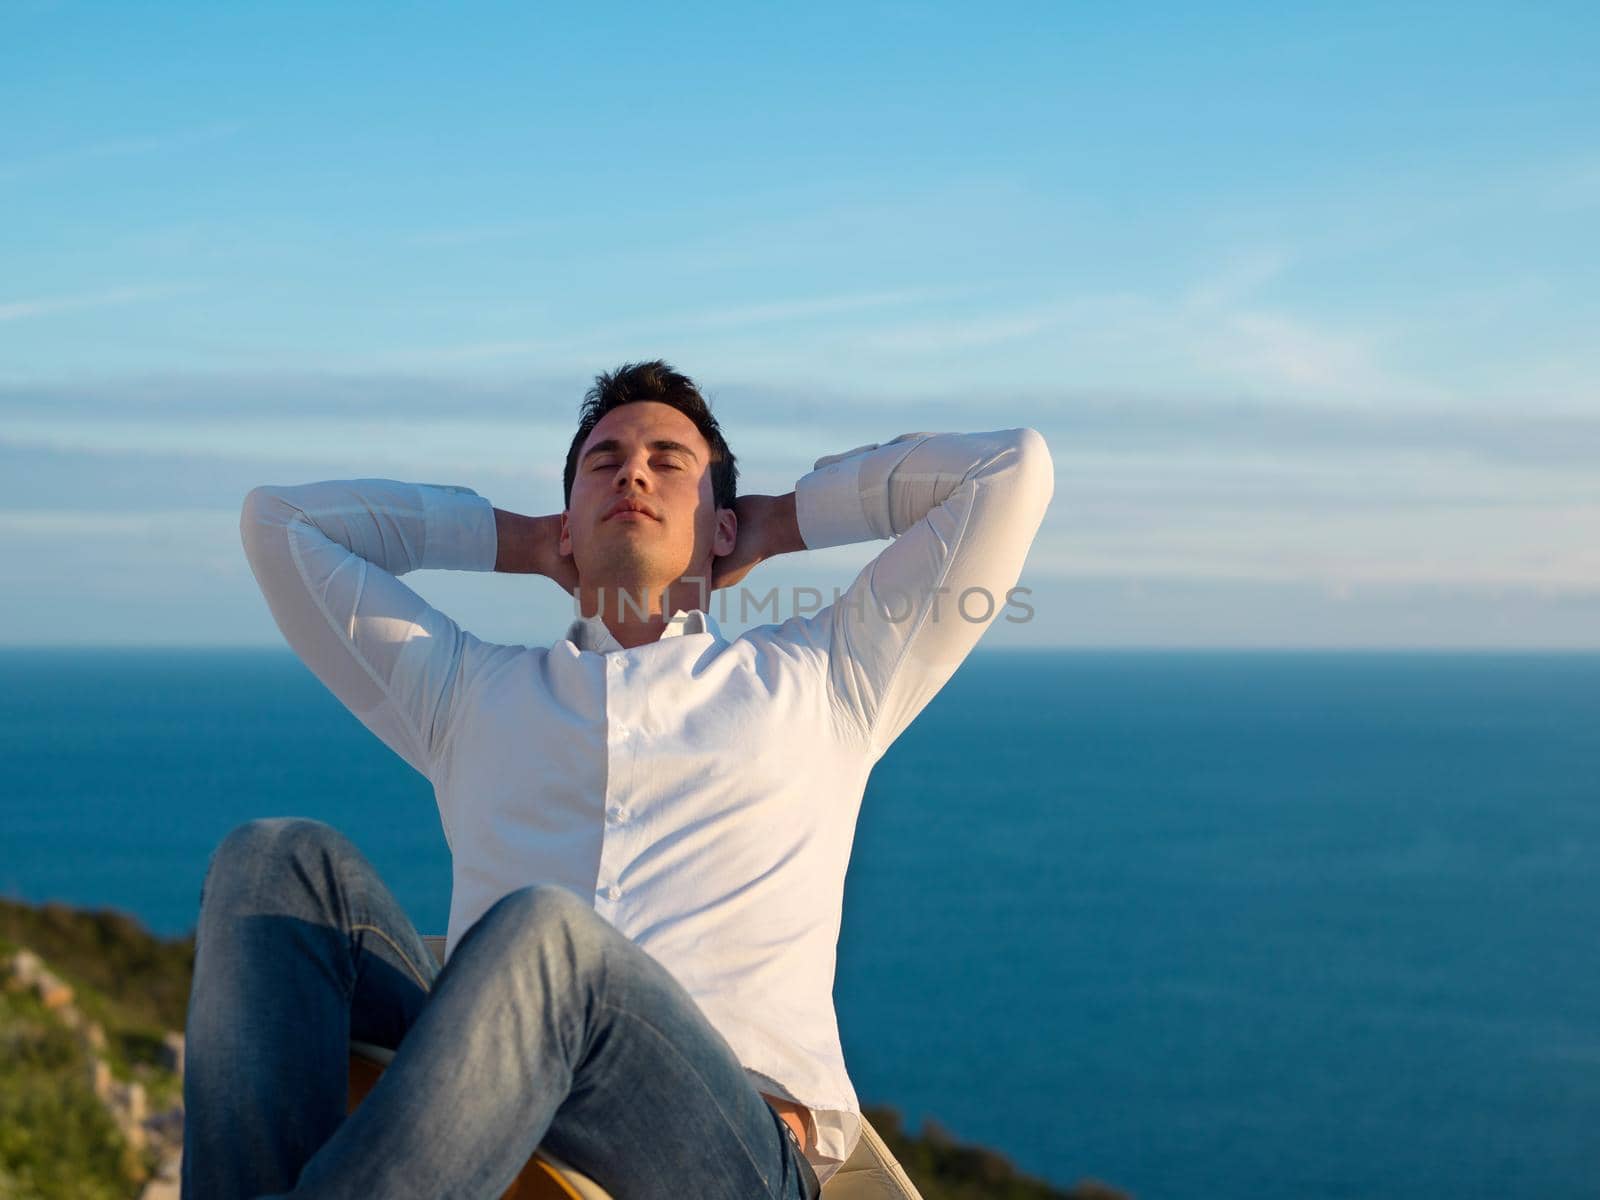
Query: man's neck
{"points": [[635, 613]]}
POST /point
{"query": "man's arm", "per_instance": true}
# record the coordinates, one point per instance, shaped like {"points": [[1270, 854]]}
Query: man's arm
{"points": [[326, 557], [963, 509], [531, 546], [767, 528]]}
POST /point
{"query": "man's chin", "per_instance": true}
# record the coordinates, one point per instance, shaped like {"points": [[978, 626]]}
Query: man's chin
{"points": [[627, 571]]}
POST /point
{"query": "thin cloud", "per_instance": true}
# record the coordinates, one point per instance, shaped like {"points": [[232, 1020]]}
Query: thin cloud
{"points": [[1196, 423], [51, 524], [1239, 278], [1272, 349], [1226, 330], [471, 235], [1574, 189], [1215, 332], [119, 148], [965, 333], [660, 328], [790, 310], [1437, 546], [42, 306]]}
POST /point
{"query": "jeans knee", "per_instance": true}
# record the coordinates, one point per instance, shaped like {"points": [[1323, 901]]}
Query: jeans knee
{"points": [[542, 912], [255, 846], [545, 902], [267, 837]]}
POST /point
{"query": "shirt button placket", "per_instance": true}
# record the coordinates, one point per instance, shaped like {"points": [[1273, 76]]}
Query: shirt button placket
{"points": [[615, 813]]}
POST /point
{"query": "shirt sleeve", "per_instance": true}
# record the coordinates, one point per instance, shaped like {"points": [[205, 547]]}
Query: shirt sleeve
{"points": [[327, 556], [963, 509]]}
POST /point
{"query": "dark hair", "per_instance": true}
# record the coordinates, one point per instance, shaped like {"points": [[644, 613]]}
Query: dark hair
{"points": [[633, 382]]}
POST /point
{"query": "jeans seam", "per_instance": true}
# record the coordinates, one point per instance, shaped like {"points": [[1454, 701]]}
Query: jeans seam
{"points": [[668, 1042], [404, 957]]}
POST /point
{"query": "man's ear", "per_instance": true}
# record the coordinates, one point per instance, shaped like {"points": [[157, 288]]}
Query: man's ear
{"points": [[564, 542], [726, 534]]}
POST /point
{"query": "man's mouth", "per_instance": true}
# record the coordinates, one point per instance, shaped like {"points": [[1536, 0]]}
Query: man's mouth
{"points": [[630, 510]]}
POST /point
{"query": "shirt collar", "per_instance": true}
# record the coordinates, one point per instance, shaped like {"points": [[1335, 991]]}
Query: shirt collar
{"points": [[591, 633]]}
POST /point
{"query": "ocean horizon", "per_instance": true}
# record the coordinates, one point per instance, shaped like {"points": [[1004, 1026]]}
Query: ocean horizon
{"points": [[1265, 923]]}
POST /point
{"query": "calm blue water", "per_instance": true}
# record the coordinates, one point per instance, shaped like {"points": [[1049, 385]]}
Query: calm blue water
{"points": [[1236, 924]]}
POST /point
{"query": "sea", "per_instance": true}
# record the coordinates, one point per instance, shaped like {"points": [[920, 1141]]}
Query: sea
{"points": [[1244, 924]]}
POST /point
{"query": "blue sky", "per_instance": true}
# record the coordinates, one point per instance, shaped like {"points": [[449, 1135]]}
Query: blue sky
{"points": [[1303, 301]]}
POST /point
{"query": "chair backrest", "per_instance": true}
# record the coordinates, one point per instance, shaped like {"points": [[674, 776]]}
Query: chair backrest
{"points": [[871, 1174]]}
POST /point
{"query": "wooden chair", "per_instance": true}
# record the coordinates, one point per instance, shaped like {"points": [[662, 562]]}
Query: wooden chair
{"points": [[871, 1174]]}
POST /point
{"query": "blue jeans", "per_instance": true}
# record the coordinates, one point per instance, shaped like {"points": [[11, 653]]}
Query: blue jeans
{"points": [[546, 1028]]}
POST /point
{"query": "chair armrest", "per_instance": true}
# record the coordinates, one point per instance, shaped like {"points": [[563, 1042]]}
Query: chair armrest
{"points": [[871, 1174]]}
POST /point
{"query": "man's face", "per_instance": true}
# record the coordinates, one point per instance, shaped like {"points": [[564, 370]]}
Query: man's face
{"points": [[648, 456]]}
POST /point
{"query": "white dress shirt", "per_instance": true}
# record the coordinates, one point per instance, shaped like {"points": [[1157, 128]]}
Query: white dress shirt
{"points": [[702, 793]]}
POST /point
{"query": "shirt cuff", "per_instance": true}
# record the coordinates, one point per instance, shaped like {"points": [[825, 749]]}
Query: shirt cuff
{"points": [[458, 529], [827, 504]]}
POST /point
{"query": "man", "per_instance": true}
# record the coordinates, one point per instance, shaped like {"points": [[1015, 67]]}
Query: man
{"points": [[649, 824]]}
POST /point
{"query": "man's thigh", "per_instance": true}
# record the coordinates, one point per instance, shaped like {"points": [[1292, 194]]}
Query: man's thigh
{"points": [[300, 946], [294, 894], [394, 977], [659, 1104], [543, 1003]]}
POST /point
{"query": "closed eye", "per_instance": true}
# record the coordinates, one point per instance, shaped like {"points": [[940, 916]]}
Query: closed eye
{"points": [[603, 465], [612, 464]]}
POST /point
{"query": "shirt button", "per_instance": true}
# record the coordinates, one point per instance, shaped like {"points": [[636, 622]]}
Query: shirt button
{"points": [[615, 664], [613, 892], [618, 814], [622, 731]]}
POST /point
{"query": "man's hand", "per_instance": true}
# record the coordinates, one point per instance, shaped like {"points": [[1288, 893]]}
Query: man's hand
{"points": [[528, 546], [767, 528]]}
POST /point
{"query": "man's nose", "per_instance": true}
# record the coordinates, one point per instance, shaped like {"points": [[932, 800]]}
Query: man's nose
{"points": [[631, 470]]}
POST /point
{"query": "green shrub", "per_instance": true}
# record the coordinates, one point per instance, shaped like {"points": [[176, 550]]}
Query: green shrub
{"points": [[57, 1141]]}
